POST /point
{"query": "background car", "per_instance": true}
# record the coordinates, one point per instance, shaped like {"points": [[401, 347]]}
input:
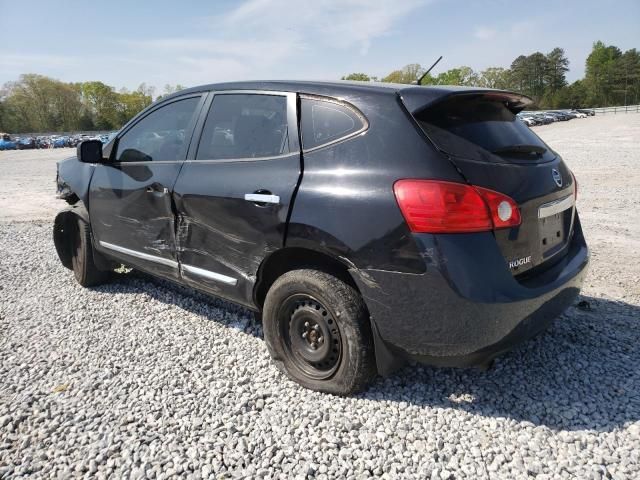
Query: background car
{"points": [[59, 142], [6, 143], [26, 143], [529, 121]]}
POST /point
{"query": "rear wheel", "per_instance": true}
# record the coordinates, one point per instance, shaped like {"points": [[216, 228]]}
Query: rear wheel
{"points": [[318, 333], [84, 269]]}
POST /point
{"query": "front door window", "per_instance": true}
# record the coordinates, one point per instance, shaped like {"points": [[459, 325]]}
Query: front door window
{"points": [[160, 136]]}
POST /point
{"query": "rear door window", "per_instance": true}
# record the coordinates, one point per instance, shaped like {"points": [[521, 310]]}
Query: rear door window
{"points": [[326, 121], [481, 127], [245, 126]]}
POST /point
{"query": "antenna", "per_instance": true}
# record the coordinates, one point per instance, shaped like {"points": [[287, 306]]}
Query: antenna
{"points": [[419, 81]]}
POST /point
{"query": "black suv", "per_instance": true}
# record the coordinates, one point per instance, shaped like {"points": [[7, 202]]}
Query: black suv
{"points": [[368, 224]]}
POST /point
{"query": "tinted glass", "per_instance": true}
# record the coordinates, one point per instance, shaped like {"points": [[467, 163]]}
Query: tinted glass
{"points": [[323, 122], [160, 135], [479, 127], [245, 126]]}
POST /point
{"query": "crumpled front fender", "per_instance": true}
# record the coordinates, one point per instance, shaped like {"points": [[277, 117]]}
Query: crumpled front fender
{"points": [[73, 180]]}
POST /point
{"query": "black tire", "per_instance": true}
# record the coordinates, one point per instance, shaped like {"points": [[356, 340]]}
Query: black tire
{"points": [[318, 333], [84, 268]]}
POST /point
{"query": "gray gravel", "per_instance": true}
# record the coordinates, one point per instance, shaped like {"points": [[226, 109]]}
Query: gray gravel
{"points": [[142, 379]]}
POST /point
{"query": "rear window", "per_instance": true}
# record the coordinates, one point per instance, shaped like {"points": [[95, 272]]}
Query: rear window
{"points": [[245, 126], [481, 128], [325, 121]]}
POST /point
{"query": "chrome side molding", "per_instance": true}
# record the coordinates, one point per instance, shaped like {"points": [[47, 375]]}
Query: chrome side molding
{"points": [[218, 277], [142, 255]]}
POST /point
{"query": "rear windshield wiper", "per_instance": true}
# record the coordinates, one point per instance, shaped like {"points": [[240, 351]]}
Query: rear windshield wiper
{"points": [[521, 148]]}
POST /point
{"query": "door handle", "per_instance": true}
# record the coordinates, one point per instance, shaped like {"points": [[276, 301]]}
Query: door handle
{"points": [[262, 197], [157, 189]]}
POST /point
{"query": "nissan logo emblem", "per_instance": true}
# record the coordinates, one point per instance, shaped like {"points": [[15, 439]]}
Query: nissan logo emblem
{"points": [[556, 177]]}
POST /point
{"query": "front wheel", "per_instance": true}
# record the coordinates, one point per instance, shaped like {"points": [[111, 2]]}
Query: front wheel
{"points": [[84, 268], [318, 332]]}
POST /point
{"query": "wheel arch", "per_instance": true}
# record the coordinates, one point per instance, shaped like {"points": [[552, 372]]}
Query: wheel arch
{"points": [[293, 258], [297, 257], [64, 225]]}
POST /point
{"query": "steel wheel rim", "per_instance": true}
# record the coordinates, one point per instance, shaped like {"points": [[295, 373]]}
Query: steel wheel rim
{"points": [[311, 336]]}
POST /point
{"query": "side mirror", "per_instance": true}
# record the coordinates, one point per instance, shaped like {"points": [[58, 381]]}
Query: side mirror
{"points": [[90, 151]]}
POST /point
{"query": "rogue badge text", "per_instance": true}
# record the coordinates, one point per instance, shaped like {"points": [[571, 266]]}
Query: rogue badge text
{"points": [[519, 262]]}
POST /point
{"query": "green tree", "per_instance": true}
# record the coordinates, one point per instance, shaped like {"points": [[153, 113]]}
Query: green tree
{"points": [[28, 100], [130, 103], [35, 103], [169, 89], [39, 103], [528, 75], [537, 65], [149, 90], [600, 75], [458, 76], [67, 107], [571, 96], [627, 89], [557, 65], [359, 77], [6, 122], [102, 101], [519, 76], [495, 77], [408, 74]]}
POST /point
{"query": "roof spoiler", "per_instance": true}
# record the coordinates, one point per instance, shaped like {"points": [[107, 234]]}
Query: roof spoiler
{"points": [[418, 99]]}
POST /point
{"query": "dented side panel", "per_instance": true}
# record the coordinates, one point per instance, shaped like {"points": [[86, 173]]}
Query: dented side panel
{"points": [[345, 204], [221, 232], [131, 207]]}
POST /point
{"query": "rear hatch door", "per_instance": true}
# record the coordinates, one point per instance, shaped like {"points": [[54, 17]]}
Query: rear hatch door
{"points": [[481, 135]]}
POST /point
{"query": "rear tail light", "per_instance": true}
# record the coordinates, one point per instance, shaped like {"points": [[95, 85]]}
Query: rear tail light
{"points": [[504, 211], [431, 206]]}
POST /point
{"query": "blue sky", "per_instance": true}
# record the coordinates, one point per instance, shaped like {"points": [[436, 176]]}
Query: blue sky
{"points": [[124, 43]]}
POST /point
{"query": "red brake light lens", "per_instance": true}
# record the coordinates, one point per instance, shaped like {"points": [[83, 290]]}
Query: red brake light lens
{"points": [[431, 206], [504, 211]]}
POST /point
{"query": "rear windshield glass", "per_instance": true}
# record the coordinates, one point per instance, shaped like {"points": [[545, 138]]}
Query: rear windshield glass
{"points": [[481, 128]]}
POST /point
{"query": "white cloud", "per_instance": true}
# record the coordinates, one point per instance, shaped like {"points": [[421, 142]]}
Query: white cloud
{"points": [[264, 32], [484, 33], [254, 39], [333, 23], [262, 36], [204, 60]]}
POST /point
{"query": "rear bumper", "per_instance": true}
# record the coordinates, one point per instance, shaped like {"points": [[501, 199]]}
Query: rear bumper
{"points": [[467, 307]]}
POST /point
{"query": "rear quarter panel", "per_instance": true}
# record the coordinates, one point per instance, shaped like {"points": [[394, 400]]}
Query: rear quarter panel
{"points": [[345, 204]]}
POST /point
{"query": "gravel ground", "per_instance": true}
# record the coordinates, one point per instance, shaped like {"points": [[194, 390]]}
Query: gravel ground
{"points": [[143, 379]]}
